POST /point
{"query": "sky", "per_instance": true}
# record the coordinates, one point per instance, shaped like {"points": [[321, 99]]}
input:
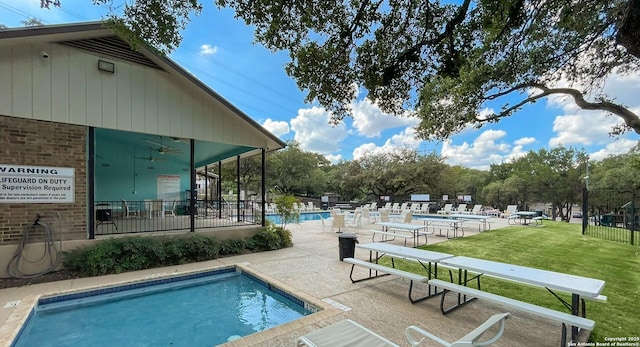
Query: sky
{"points": [[220, 51]]}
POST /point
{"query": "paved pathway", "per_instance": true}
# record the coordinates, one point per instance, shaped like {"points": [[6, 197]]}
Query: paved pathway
{"points": [[312, 267]]}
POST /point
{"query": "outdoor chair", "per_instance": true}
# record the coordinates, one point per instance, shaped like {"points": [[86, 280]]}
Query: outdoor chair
{"points": [[446, 209], [337, 222], [170, 210], [130, 211]]}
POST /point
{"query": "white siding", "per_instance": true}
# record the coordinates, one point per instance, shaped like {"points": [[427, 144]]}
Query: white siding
{"points": [[68, 87]]}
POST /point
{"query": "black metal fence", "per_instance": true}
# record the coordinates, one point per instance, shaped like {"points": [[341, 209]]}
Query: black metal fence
{"points": [[123, 217], [611, 215]]}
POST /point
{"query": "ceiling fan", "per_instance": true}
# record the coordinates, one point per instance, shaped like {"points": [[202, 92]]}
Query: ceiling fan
{"points": [[151, 158], [164, 149]]}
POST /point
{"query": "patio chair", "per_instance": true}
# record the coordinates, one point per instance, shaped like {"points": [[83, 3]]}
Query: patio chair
{"points": [[355, 221], [511, 210], [347, 333], [395, 208], [446, 209], [462, 208], [311, 207], [169, 211], [387, 206], [337, 221], [477, 209], [130, 211], [415, 207], [424, 209], [384, 215]]}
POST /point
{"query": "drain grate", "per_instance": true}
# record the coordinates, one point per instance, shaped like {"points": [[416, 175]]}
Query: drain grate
{"points": [[12, 304], [337, 304]]}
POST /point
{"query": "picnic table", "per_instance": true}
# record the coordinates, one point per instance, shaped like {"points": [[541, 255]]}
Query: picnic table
{"points": [[524, 216], [580, 287], [428, 259], [414, 229], [474, 217], [450, 224]]}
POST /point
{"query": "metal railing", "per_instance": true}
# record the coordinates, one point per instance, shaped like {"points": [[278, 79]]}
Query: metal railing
{"points": [[118, 217], [611, 215]]}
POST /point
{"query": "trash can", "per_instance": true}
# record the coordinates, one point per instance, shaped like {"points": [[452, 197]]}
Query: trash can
{"points": [[347, 245]]}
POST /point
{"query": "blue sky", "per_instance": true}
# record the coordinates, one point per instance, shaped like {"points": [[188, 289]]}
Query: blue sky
{"points": [[219, 50]]}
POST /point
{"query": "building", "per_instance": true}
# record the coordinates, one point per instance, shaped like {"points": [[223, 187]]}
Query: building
{"points": [[87, 123]]}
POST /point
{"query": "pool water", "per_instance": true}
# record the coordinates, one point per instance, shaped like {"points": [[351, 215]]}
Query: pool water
{"points": [[304, 216], [202, 311]]}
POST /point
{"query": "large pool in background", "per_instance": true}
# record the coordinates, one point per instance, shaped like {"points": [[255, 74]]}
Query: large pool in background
{"points": [[304, 216], [202, 309]]}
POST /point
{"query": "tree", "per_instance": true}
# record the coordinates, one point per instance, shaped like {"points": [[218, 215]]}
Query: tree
{"points": [[443, 61], [293, 171]]}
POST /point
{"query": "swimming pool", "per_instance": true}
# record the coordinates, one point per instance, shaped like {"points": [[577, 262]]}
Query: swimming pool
{"points": [[304, 216], [198, 309]]}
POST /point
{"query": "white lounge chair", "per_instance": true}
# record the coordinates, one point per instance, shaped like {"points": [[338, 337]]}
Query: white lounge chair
{"points": [[415, 207], [347, 333], [462, 208], [510, 211], [311, 207], [446, 209], [424, 209], [395, 208], [387, 206], [477, 209]]}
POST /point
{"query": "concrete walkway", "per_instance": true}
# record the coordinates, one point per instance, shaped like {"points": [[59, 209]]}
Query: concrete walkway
{"points": [[312, 268]]}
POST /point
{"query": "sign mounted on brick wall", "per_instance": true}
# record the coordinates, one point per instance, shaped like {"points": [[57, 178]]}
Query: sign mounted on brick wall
{"points": [[26, 184]]}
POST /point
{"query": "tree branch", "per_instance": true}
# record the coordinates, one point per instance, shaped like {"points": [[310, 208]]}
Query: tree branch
{"points": [[631, 119]]}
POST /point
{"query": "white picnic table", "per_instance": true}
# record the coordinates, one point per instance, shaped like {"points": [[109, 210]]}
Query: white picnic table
{"points": [[447, 223], [414, 229], [474, 217], [428, 259], [579, 287]]}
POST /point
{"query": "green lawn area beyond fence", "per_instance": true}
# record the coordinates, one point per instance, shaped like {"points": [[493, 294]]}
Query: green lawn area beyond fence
{"points": [[558, 247]]}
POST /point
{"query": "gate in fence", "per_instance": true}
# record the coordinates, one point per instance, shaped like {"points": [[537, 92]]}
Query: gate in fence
{"points": [[611, 215]]}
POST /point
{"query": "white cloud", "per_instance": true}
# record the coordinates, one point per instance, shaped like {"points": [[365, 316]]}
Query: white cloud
{"points": [[315, 134], [525, 141], [405, 139], [485, 150], [619, 146], [207, 49], [370, 121], [277, 128], [583, 128], [334, 159]]}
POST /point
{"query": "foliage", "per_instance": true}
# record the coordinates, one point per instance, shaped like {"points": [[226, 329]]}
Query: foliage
{"points": [[616, 172], [293, 171], [444, 61], [117, 255], [274, 237], [288, 214], [557, 247], [250, 174]]}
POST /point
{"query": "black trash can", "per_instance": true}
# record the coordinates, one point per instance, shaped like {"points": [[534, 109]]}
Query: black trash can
{"points": [[347, 245]]}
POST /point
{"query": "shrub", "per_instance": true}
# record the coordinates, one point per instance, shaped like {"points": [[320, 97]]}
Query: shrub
{"points": [[119, 255]]}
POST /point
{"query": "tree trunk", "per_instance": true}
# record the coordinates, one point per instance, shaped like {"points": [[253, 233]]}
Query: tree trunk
{"points": [[628, 34]]}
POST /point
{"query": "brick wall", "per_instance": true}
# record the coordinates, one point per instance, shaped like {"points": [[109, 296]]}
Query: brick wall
{"points": [[42, 143]]}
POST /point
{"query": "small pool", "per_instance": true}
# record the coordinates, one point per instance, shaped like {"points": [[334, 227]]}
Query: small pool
{"points": [[304, 216], [200, 309]]}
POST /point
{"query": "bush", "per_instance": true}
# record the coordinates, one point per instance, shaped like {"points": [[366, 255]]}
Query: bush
{"points": [[119, 255]]}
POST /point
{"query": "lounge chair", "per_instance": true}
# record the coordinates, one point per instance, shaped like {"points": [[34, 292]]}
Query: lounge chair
{"points": [[395, 208], [415, 207], [477, 209], [311, 207], [424, 209], [510, 211], [446, 209], [347, 333], [462, 208], [387, 206]]}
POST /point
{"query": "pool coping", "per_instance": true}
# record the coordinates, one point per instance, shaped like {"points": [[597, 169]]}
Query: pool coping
{"points": [[14, 324]]}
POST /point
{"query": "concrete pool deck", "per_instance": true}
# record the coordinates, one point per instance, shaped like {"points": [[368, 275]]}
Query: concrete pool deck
{"points": [[311, 268]]}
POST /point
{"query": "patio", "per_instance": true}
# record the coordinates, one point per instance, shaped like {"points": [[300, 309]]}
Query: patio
{"points": [[312, 267]]}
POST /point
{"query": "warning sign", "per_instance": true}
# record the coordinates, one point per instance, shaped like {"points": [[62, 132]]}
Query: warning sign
{"points": [[36, 184]]}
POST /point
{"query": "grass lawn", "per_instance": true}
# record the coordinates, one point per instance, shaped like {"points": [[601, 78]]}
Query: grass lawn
{"points": [[558, 247]]}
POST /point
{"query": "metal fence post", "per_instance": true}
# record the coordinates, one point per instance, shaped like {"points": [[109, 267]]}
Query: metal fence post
{"points": [[585, 216]]}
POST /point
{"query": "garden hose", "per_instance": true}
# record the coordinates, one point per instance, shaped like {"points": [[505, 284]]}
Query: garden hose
{"points": [[50, 250]]}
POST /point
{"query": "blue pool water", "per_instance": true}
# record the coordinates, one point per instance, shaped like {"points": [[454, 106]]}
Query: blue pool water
{"points": [[203, 311], [304, 216]]}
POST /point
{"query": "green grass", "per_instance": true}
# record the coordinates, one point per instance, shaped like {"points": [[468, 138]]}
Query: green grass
{"points": [[558, 247]]}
